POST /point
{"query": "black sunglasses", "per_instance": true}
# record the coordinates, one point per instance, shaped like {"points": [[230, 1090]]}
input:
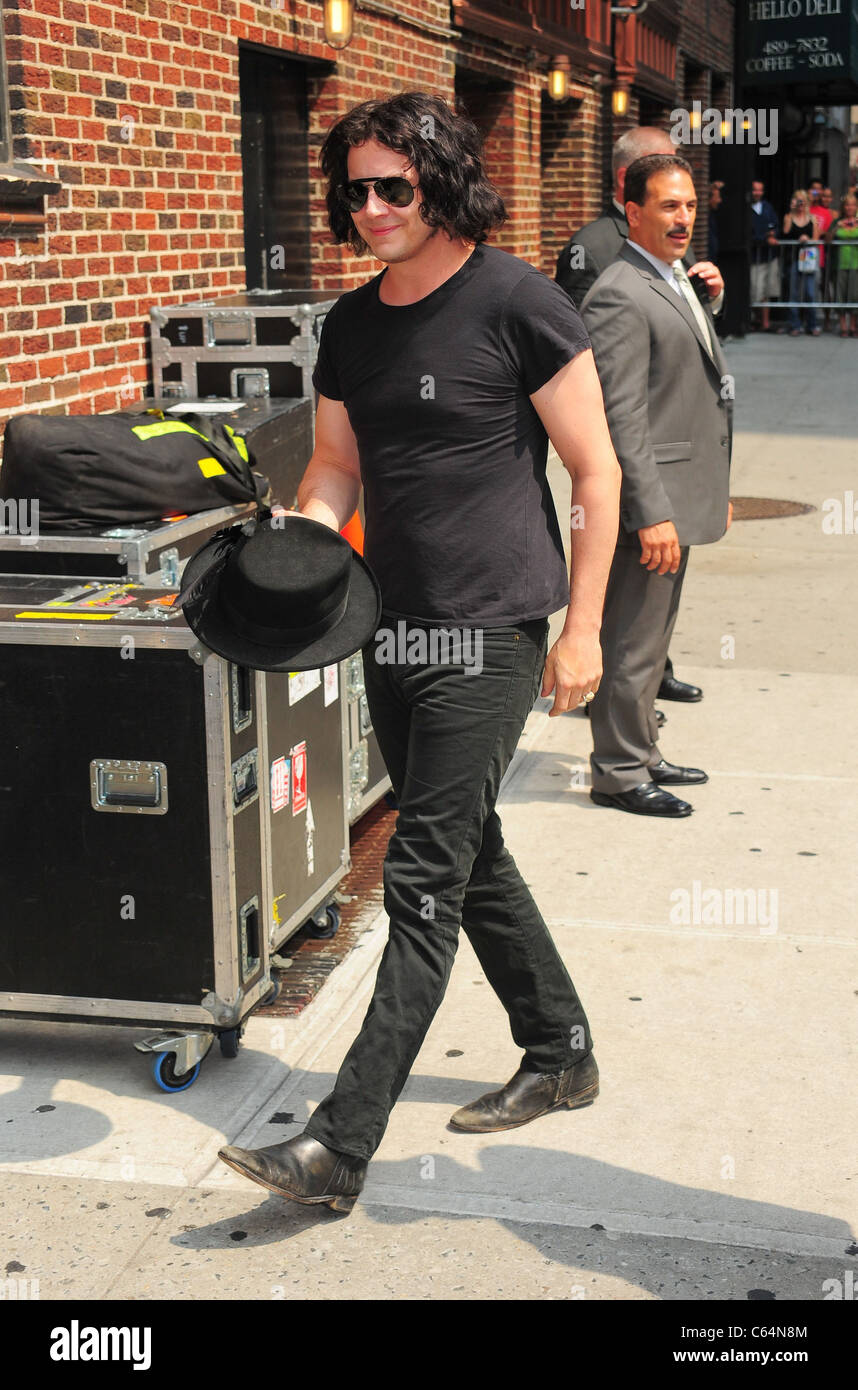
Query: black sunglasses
{"points": [[395, 191]]}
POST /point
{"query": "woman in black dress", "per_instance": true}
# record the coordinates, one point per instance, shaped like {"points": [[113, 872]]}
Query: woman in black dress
{"points": [[800, 225]]}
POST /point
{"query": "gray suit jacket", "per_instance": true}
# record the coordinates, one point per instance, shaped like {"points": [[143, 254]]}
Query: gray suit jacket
{"points": [[669, 408], [596, 245]]}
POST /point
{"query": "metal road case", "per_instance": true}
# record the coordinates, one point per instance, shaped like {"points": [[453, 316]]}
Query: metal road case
{"points": [[278, 433], [154, 551], [367, 775], [306, 713], [257, 343], [137, 819]]}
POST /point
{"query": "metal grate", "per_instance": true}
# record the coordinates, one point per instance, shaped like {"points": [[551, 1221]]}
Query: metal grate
{"points": [[764, 508]]}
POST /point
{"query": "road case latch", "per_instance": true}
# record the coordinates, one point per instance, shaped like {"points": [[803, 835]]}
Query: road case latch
{"points": [[245, 780], [229, 330], [124, 784]]}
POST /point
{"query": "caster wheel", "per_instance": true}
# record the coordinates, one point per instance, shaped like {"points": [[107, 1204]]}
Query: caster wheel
{"points": [[230, 1042], [390, 798], [164, 1071], [322, 927]]}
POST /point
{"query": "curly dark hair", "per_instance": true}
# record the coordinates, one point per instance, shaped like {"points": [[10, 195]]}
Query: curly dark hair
{"points": [[641, 171], [443, 147]]}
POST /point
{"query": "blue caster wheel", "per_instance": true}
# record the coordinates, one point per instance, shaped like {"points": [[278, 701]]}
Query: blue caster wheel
{"points": [[324, 926], [390, 798], [164, 1071]]}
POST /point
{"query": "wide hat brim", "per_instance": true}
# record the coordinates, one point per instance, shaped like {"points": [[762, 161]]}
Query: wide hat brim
{"points": [[206, 617]]}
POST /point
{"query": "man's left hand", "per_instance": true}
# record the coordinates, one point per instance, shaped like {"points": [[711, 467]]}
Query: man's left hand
{"points": [[711, 275], [573, 667]]}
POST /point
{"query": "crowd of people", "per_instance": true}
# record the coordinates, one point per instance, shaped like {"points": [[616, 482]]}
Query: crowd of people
{"points": [[808, 259]]}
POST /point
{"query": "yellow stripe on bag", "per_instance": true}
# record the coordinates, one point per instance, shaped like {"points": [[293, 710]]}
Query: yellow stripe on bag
{"points": [[71, 617], [210, 467], [165, 427], [238, 442]]}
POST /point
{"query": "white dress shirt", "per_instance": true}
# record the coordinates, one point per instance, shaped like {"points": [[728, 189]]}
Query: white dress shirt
{"points": [[665, 270]]}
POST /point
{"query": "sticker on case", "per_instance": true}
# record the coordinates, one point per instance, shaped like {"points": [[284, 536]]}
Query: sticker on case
{"points": [[299, 778], [309, 833], [332, 684], [281, 770], [301, 683]]}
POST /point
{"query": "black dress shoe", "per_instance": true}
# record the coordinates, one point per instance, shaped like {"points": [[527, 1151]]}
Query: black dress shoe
{"points": [[303, 1170], [528, 1095], [666, 774], [645, 800], [672, 689]]}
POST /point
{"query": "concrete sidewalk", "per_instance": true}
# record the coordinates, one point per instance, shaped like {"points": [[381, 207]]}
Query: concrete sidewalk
{"points": [[719, 1157]]}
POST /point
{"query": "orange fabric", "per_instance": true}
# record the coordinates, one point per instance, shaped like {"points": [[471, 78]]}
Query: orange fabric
{"points": [[353, 532]]}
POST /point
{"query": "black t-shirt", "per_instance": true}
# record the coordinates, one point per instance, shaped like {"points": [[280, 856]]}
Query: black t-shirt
{"points": [[460, 523]]}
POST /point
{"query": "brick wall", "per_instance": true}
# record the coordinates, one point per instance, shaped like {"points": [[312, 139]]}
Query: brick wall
{"points": [[133, 106], [576, 178]]}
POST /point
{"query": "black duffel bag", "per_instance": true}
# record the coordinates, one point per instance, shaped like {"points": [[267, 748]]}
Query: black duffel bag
{"points": [[85, 471]]}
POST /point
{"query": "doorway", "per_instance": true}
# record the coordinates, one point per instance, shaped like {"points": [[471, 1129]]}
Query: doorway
{"points": [[275, 169]]}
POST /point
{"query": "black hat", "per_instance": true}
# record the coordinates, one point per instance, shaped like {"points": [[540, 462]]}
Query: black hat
{"points": [[280, 594]]}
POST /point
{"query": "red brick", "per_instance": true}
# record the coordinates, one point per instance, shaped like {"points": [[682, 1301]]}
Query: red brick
{"points": [[160, 216]]}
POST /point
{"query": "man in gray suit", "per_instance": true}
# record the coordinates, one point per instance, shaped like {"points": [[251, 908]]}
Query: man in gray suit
{"points": [[663, 379], [586, 254], [591, 249]]}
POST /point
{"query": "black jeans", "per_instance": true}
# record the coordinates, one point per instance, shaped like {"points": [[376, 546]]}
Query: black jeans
{"points": [[447, 736]]}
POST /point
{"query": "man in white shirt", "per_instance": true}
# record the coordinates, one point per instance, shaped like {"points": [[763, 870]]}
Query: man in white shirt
{"points": [[765, 263]]}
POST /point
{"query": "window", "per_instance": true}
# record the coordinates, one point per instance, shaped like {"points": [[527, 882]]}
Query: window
{"points": [[22, 186]]}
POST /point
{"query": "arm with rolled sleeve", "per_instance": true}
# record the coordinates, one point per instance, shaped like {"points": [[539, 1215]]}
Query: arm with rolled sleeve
{"points": [[620, 337]]}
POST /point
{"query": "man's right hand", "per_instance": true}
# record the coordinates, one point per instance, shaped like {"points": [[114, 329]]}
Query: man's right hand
{"points": [[660, 547]]}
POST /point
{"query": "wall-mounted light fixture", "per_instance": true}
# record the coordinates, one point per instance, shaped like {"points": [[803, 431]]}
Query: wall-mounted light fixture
{"points": [[620, 100], [558, 78], [339, 22]]}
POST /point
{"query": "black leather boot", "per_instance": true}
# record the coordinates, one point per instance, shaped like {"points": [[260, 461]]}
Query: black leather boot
{"points": [[528, 1095], [303, 1170]]}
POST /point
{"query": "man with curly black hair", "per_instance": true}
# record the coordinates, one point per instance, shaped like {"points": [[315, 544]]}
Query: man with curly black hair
{"points": [[440, 384]]}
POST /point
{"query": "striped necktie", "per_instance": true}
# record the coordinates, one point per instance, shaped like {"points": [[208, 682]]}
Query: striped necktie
{"points": [[693, 303]]}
